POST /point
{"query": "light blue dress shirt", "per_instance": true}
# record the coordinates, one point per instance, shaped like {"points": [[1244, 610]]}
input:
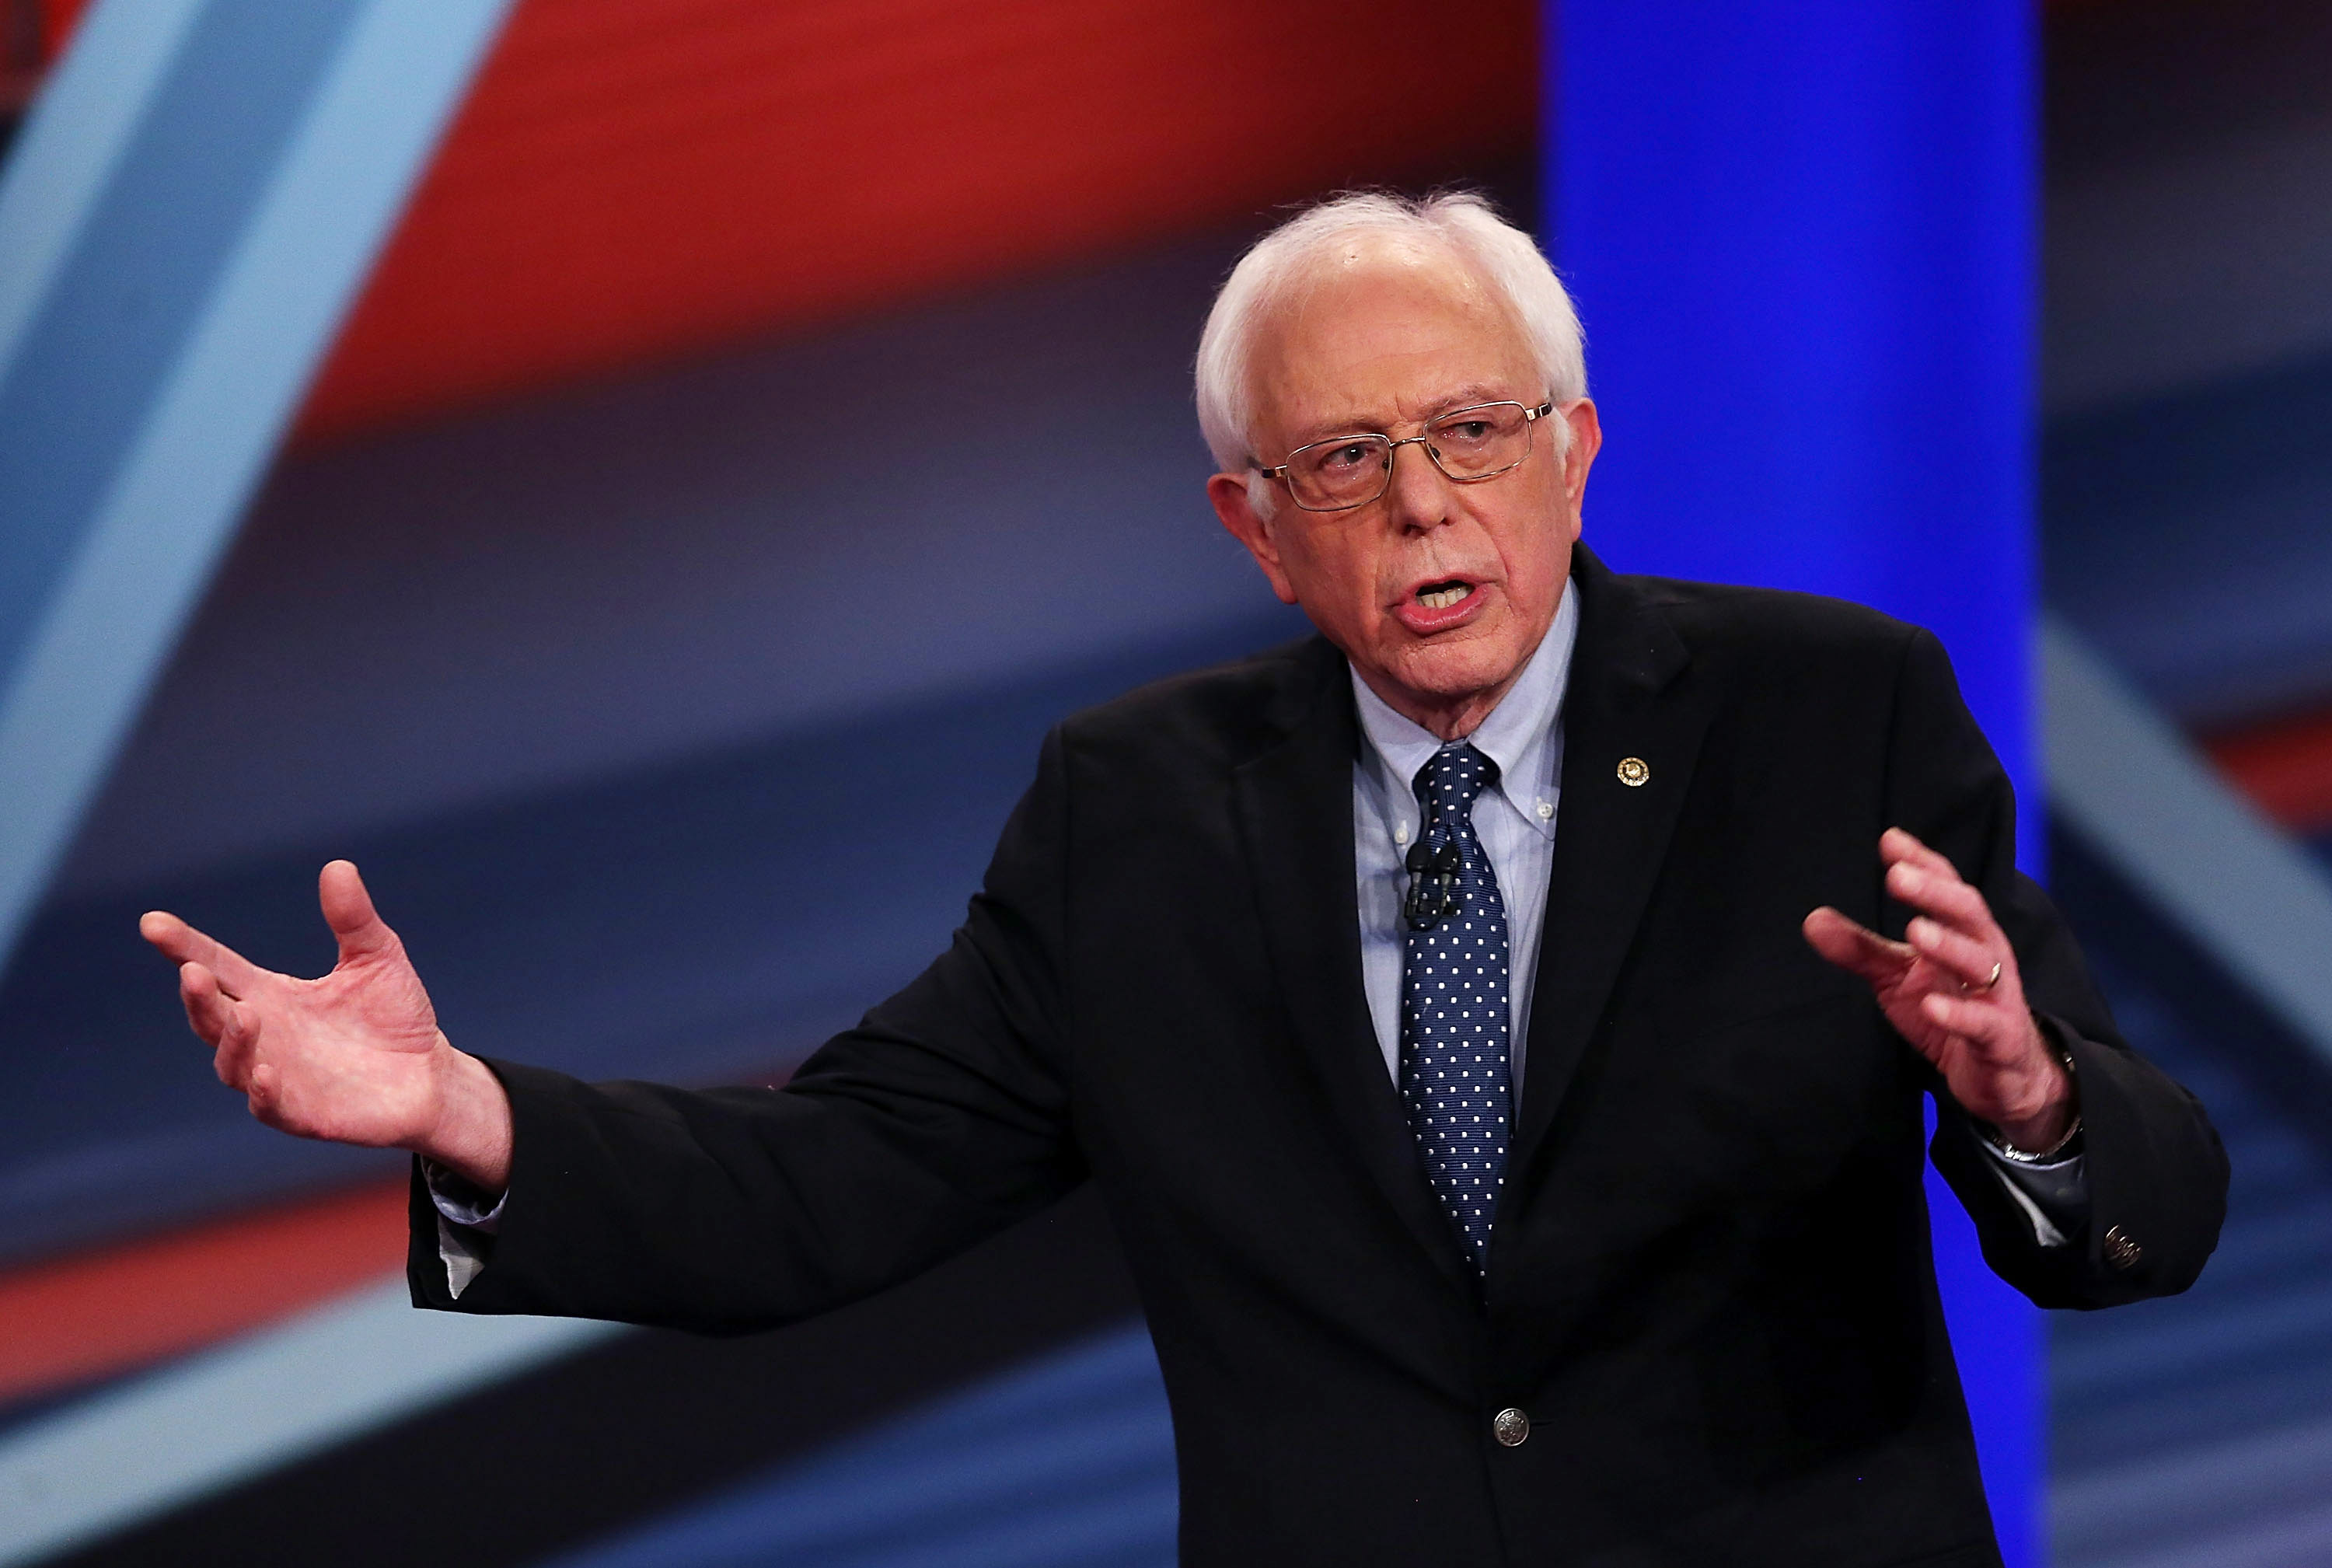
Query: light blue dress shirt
{"points": [[1514, 821]]}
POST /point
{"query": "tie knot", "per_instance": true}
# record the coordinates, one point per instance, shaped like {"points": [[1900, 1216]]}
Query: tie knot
{"points": [[1448, 783]]}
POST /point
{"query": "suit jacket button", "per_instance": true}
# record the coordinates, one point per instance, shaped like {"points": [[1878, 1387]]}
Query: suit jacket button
{"points": [[1511, 1426], [2120, 1250]]}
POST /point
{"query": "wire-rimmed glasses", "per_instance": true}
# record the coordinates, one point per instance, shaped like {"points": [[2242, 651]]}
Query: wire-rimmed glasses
{"points": [[1468, 444]]}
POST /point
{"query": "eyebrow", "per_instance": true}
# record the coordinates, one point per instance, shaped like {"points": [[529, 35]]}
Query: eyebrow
{"points": [[1464, 396]]}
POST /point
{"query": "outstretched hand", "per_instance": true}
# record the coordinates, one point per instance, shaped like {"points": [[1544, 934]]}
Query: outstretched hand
{"points": [[355, 1056], [1954, 992]]}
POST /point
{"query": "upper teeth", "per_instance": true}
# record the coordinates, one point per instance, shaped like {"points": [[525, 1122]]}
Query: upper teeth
{"points": [[1442, 598]]}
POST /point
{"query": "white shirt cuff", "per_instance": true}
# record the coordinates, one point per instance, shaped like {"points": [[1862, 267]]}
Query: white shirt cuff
{"points": [[463, 1202], [2054, 1197], [465, 1223]]}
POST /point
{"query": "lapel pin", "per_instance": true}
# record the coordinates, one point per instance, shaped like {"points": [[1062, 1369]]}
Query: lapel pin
{"points": [[1634, 772]]}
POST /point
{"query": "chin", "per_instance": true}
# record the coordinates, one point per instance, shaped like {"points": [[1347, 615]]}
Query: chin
{"points": [[1455, 670]]}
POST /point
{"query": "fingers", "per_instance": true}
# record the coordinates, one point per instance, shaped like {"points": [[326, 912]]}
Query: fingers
{"points": [[1998, 1034], [232, 1031], [349, 911], [1954, 933], [209, 1010], [260, 1092], [182, 944], [1955, 930], [1899, 843], [1942, 895], [1963, 959], [1855, 947]]}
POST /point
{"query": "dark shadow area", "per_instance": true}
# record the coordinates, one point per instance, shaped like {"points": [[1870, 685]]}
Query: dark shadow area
{"points": [[2137, 78]]}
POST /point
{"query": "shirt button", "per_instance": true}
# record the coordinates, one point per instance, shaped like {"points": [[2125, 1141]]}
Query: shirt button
{"points": [[1511, 1426], [1545, 810], [1400, 834]]}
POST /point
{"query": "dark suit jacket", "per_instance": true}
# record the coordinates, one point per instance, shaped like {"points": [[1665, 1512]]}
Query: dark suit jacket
{"points": [[1710, 1288]]}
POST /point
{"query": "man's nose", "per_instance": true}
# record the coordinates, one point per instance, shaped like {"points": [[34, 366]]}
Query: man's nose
{"points": [[1417, 495]]}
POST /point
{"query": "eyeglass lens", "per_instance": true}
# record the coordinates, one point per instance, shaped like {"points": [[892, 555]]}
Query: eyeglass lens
{"points": [[1354, 470]]}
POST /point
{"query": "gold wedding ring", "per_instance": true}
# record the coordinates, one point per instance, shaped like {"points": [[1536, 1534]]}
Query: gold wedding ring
{"points": [[1990, 980]]}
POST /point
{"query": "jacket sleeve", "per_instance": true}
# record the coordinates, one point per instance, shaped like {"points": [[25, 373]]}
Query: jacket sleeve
{"points": [[942, 1117], [2157, 1174]]}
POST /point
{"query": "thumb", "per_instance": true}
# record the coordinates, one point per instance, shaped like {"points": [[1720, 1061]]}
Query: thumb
{"points": [[1855, 947], [349, 911]]}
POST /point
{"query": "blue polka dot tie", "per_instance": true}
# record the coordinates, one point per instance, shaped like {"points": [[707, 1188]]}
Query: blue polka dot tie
{"points": [[1453, 1000]]}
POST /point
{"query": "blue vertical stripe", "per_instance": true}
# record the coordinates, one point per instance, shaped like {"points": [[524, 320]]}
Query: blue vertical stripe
{"points": [[1803, 240]]}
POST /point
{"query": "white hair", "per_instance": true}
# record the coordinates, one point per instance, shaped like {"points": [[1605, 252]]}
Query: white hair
{"points": [[1459, 223]]}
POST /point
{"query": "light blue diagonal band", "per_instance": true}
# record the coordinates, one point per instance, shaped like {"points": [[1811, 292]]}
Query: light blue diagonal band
{"points": [[193, 204]]}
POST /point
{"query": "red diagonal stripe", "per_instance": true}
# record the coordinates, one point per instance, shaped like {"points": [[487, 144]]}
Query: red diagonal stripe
{"points": [[116, 1308], [629, 181], [2285, 766]]}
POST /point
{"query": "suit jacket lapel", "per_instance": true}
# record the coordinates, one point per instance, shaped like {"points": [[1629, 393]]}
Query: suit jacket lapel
{"points": [[1626, 717], [1294, 811]]}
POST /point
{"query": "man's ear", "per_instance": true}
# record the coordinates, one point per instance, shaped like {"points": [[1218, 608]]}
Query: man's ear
{"points": [[1228, 491], [1586, 441]]}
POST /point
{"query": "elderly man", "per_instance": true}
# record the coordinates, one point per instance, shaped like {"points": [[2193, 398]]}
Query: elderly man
{"points": [[1514, 1170]]}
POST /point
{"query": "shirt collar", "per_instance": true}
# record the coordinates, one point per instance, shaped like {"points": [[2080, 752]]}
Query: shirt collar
{"points": [[1519, 734]]}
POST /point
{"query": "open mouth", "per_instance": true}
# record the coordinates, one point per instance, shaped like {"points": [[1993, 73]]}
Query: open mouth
{"points": [[1441, 604]]}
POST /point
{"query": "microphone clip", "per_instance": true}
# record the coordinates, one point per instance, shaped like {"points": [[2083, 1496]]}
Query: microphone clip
{"points": [[1433, 885]]}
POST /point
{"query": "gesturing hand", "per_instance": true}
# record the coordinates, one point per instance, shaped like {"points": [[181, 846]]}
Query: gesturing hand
{"points": [[1954, 992], [355, 1056]]}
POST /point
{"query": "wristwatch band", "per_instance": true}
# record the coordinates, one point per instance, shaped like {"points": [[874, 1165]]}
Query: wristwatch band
{"points": [[2061, 1149]]}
